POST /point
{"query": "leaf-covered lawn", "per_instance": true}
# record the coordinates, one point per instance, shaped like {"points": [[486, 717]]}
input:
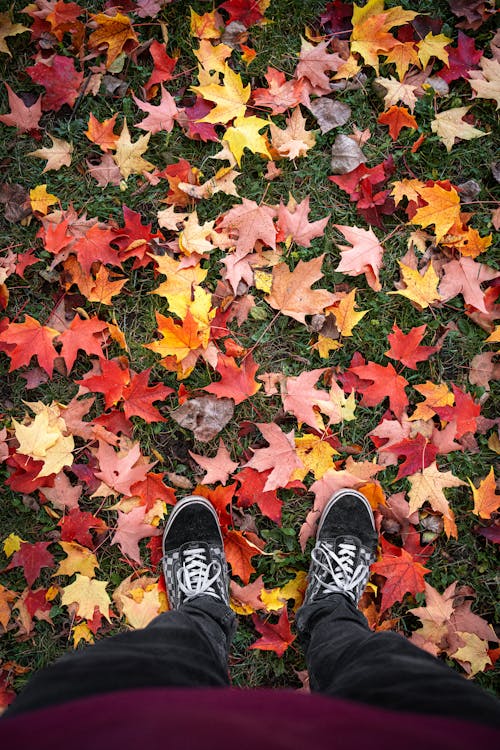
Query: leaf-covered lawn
{"points": [[247, 252]]}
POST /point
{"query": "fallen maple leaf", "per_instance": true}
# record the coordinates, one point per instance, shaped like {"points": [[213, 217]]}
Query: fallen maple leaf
{"points": [[20, 116], [230, 97], [291, 291], [405, 347], [293, 223], [78, 559], [253, 223], [464, 276], [131, 528], [160, 117], [30, 339], [450, 125], [365, 255], [294, 141], [113, 31], [128, 155], [422, 289], [403, 574], [32, 558], [276, 637], [219, 467], [245, 133], [279, 456], [60, 79], [397, 118], [237, 381], [87, 594], [59, 155], [486, 498], [385, 382], [485, 83], [427, 486], [442, 209], [138, 397], [239, 552]]}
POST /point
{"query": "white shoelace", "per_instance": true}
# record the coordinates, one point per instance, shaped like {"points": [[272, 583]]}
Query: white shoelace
{"points": [[340, 568], [196, 576]]}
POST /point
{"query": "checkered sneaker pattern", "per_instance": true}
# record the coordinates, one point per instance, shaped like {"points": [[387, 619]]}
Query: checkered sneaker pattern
{"points": [[196, 569]]}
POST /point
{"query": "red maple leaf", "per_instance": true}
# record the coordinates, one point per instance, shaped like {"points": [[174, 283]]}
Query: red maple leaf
{"points": [[418, 452], [237, 381], [134, 239], [60, 79], [404, 574], [385, 382], [25, 475], [203, 131], [464, 413], [85, 335], [275, 637], [461, 59], [111, 382], [95, 245], [152, 489], [37, 604], [32, 558], [246, 12], [138, 397], [29, 339], [76, 527], [405, 347], [163, 65], [251, 491], [239, 553]]}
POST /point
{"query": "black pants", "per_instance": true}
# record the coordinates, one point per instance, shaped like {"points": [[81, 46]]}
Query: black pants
{"points": [[189, 647]]}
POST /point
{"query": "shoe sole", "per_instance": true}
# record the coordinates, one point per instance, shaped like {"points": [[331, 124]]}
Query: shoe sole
{"points": [[337, 496], [187, 501]]}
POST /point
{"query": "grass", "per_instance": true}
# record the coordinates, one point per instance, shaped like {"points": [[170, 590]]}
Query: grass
{"points": [[281, 344]]}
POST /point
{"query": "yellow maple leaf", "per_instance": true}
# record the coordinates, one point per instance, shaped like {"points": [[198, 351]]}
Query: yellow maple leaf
{"points": [[195, 237], [244, 133], [207, 26], [113, 31], [420, 288], [345, 314], [403, 54], [486, 82], [59, 155], [11, 544], [230, 97], [433, 45], [406, 188], [128, 155], [180, 283], [427, 486], [450, 125], [324, 345], [294, 140], [212, 57], [435, 396], [141, 611], [494, 337], [397, 92], [104, 289], [87, 593], [475, 652], [78, 560], [486, 498], [40, 199], [43, 440], [82, 632], [7, 28], [442, 209], [315, 454], [178, 340]]}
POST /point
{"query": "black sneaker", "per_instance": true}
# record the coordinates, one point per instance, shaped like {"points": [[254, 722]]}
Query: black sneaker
{"points": [[346, 545], [194, 563]]}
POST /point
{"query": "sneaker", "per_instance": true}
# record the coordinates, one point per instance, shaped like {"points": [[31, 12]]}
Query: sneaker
{"points": [[346, 545], [194, 563]]}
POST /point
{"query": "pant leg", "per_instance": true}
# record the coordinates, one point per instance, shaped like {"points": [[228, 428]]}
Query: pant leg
{"points": [[346, 659], [187, 647]]}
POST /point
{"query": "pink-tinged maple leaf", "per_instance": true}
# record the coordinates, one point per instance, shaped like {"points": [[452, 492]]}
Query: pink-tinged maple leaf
{"points": [[60, 79], [294, 222], [281, 94], [138, 397], [237, 381], [365, 255], [276, 637], [20, 116], [404, 575], [279, 456], [418, 452], [253, 223], [121, 472], [464, 413], [130, 530], [464, 276], [189, 119], [86, 335], [32, 558], [385, 382], [160, 117], [218, 468], [405, 347], [75, 527], [249, 595], [163, 65], [22, 341], [314, 62], [300, 397]]}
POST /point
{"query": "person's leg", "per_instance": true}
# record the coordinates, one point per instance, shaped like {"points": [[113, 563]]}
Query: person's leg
{"points": [[185, 647], [345, 658]]}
